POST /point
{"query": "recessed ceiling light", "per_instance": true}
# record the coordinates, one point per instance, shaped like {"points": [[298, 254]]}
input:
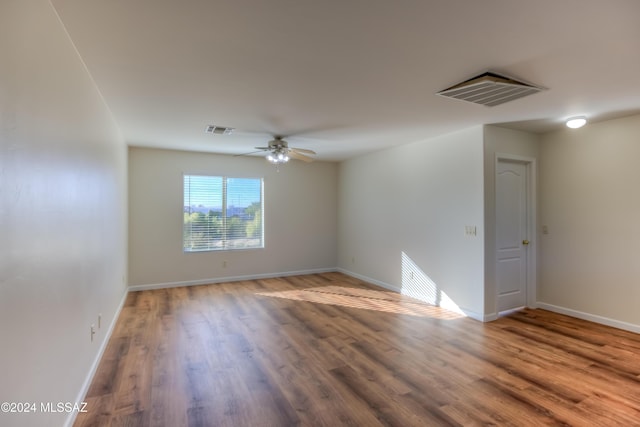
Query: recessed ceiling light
{"points": [[576, 122]]}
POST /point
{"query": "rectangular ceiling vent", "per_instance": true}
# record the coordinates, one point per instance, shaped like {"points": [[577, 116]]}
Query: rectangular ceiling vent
{"points": [[219, 130], [490, 89]]}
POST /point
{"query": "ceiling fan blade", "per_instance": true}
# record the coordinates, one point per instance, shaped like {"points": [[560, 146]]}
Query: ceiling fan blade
{"points": [[263, 148], [246, 154], [303, 150], [294, 155]]}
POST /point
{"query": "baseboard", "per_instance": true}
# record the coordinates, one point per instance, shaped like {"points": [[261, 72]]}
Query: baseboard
{"points": [[466, 312], [225, 279], [71, 418], [369, 280], [590, 317], [490, 317], [473, 315]]}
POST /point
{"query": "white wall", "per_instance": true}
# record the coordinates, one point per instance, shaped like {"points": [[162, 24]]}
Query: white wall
{"points": [[416, 200], [300, 218], [62, 214], [590, 260], [503, 141]]}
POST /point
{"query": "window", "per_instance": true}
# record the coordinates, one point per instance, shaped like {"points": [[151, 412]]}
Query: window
{"points": [[222, 213]]}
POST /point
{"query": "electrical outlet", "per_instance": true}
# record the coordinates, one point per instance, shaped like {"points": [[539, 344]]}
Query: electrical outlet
{"points": [[470, 230], [93, 331]]}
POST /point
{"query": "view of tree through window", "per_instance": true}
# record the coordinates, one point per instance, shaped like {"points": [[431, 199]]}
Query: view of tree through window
{"points": [[222, 213]]}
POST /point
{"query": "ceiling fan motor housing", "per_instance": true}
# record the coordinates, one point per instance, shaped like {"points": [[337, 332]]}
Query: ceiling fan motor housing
{"points": [[278, 143]]}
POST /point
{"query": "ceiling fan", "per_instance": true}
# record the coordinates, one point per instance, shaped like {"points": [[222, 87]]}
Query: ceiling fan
{"points": [[280, 152]]}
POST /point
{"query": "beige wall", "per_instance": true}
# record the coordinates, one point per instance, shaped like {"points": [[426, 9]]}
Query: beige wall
{"points": [[589, 200], [499, 140], [300, 218], [404, 210], [62, 214]]}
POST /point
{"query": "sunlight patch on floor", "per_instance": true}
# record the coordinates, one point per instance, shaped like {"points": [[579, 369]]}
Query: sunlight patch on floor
{"points": [[367, 299]]}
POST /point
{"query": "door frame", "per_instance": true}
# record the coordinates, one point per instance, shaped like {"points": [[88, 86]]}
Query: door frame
{"points": [[531, 277]]}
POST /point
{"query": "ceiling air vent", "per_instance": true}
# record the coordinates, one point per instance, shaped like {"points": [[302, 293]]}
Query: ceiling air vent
{"points": [[219, 130], [490, 89]]}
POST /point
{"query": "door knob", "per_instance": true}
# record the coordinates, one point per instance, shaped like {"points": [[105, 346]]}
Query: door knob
{"points": [[525, 242]]}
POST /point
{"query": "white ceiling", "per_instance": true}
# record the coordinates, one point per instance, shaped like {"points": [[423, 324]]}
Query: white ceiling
{"points": [[347, 77]]}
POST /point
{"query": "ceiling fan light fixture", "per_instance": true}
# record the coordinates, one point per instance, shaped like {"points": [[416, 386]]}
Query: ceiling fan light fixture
{"points": [[278, 152], [278, 157], [576, 122]]}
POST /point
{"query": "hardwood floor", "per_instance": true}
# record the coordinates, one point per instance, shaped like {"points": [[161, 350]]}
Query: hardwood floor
{"points": [[329, 350]]}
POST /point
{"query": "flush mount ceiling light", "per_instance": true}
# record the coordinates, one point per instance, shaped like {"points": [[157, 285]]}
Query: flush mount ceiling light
{"points": [[576, 122]]}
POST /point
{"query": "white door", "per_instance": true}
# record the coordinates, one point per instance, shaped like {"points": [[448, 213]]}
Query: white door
{"points": [[511, 234]]}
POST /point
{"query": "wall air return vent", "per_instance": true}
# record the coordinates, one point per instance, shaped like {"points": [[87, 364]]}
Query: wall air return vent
{"points": [[490, 89], [219, 130]]}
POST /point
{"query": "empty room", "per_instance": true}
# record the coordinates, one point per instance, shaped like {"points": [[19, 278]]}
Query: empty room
{"points": [[297, 213]]}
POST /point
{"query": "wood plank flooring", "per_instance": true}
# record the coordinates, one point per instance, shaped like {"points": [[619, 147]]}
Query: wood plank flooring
{"points": [[329, 350]]}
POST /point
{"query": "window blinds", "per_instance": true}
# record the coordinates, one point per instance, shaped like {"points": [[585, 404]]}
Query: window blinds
{"points": [[222, 213]]}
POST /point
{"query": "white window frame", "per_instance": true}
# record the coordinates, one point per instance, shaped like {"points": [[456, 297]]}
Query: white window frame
{"points": [[225, 243]]}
